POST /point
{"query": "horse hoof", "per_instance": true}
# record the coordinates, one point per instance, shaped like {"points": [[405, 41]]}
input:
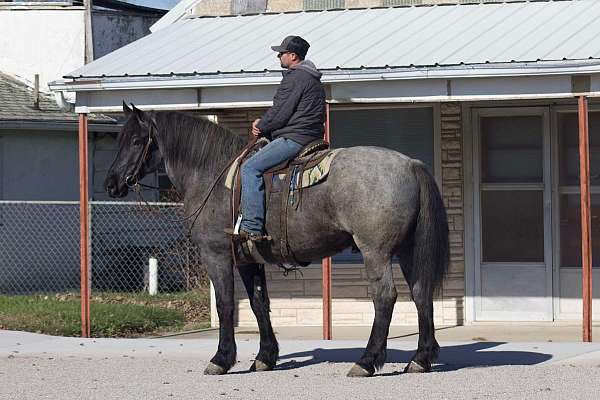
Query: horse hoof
{"points": [[259, 366], [214, 369], [358, 372], [414, 367]]}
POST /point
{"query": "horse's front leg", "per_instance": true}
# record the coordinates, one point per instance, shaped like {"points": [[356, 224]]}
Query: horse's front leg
{"points": [[220, 271], [253, 276]]}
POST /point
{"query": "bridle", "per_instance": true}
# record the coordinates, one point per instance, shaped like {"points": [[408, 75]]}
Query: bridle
{"points": [[132, 180]]}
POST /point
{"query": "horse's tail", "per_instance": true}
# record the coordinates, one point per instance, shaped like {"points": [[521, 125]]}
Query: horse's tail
{"points": [[431, 248]]}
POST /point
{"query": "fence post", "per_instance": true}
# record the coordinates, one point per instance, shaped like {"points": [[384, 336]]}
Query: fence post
{"points": [[326, 263], [152, 276], [84, 251], [586, 238]]}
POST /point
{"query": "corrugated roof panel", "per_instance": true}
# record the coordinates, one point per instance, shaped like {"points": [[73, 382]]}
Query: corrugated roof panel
{"points": [[562, 40], [371, 38], [440, 38], [317, 27], [486, 43], [552, 32], [521, 43], [405, 33]]}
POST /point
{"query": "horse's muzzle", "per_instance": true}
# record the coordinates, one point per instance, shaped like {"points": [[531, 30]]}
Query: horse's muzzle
{"points": [[112, 187]]}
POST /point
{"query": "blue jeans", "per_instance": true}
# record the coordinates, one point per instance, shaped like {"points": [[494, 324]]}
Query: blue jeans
{"points": [[253, 185]]}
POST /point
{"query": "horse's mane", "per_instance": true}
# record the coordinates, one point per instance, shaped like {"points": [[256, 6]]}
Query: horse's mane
{"points": [[197, 143]]}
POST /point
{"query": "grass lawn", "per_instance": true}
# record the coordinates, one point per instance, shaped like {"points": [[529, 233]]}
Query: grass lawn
{"points": [[112, 314]]}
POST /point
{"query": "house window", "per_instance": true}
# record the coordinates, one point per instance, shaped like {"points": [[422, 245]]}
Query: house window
{"points": [[391, 3], [569, 200], [324, 4], [407, 130]]}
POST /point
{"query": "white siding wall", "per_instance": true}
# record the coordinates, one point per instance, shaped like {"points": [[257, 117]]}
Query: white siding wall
{"points": [[45, 42]]}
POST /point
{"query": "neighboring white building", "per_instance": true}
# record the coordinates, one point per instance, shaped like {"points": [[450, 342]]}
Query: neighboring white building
{"points": [[48, 38]]}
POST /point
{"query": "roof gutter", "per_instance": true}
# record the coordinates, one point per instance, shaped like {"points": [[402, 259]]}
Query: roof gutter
{"points": [[329, 76]]}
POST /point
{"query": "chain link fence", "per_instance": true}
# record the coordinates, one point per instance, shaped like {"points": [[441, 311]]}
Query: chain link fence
{"points": [[39, 247]]}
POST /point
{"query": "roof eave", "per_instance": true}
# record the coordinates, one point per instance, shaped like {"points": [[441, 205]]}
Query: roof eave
{"points": [[249, 78]]}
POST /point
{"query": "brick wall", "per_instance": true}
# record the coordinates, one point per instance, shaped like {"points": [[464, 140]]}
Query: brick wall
{"points": [[296, 298]]}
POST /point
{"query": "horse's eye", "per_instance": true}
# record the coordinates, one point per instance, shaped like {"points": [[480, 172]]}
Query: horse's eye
{"points": [[137, 142]]}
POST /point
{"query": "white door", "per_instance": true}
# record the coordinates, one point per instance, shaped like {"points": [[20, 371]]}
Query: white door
{"points": [[512, 205]]}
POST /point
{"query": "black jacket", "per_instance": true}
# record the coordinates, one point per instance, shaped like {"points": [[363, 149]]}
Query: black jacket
{"points": [[298, 110]]}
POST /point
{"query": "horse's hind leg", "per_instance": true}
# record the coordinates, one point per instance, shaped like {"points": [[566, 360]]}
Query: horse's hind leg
{"points": [[220, 271], [254, 280], [383, 291], [422, 294]]}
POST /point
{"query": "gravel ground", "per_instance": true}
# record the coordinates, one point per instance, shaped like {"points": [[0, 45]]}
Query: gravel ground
{"points": [[42, 367]]}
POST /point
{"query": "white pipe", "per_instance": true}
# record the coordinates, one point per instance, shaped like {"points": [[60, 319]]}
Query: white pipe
{"points": [[214, 320], [153, 276]]}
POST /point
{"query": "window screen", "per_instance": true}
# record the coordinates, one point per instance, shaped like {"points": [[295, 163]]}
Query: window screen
{"points": [[323, 4], [407, 130]]}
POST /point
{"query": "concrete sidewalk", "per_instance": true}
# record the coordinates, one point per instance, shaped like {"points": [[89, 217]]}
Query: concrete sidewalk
{"points": [[541, 332], [454, 354]]}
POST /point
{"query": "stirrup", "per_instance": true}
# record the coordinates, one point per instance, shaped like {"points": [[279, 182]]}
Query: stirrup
{"points": [[245, 236]]}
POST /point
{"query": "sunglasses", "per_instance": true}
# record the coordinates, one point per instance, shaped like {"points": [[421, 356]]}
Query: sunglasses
{"points": [[279, 55]]}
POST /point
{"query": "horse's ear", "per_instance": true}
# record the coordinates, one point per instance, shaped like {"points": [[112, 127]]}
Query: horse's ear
{"points": [[126, 109], [138, 113]]}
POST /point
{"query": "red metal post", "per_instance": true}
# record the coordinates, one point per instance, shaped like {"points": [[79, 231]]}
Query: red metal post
{"points": [[84, 226], [586, 239], [327, 264]]}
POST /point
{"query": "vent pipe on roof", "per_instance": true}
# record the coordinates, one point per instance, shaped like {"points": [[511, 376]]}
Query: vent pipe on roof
{"points": [[36, 92]]}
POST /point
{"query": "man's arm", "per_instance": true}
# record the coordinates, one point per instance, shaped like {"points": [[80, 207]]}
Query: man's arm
{"points": [[284, 105]]}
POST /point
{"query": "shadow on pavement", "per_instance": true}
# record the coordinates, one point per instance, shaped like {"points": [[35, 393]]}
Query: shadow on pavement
{"points": [[451, 357]]}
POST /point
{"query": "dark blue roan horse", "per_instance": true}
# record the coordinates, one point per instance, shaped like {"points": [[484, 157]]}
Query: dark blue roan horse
{"points": [[378, 200]]}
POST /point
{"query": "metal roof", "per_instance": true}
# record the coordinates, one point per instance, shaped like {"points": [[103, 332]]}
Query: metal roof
{"points": [[548, 34]]}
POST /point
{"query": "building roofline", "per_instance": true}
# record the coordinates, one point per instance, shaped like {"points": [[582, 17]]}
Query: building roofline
{"points": [[245, 78]]}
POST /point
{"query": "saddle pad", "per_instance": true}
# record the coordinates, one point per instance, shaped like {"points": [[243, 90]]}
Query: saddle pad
{"points": [[310, 176], [316, 174], [231, 173]]}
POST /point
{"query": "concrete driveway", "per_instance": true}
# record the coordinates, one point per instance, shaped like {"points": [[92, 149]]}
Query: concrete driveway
{"points": [[45, 367]]}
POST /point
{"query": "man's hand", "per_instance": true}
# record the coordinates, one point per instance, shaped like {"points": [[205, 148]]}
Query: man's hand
{"points": [[255, 131]]}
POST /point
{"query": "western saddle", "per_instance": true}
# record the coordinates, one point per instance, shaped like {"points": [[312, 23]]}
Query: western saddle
{"points": [[284, 184]]}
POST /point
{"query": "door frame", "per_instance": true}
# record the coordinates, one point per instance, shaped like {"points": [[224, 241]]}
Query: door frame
{"points": [[548, 264]]}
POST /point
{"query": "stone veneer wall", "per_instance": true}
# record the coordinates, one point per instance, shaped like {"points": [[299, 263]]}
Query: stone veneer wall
{"points": [[296, 299]]}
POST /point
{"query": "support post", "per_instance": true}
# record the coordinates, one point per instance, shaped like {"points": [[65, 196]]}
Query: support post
{"points": [[84, 226], [88, 39], [327, 263], [586, 239], [152, 276]]}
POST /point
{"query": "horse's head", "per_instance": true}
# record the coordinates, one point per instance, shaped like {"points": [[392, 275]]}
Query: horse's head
{"points": [[138, 153]]}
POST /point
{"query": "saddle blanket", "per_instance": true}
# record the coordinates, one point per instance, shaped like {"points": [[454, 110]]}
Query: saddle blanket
{"points": [[310, 176]]}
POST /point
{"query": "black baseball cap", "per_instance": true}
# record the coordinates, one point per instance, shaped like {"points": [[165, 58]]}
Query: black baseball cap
{"points": [[293, 44]]}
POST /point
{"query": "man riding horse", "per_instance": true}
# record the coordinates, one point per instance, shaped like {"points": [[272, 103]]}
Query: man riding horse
{"points": [[407, 221], [295, 120]]}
